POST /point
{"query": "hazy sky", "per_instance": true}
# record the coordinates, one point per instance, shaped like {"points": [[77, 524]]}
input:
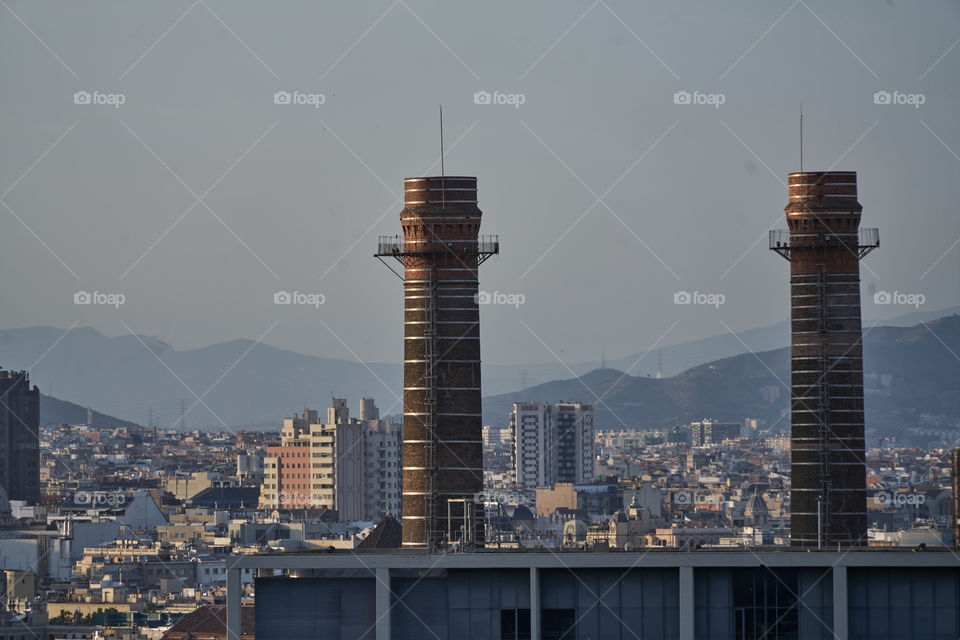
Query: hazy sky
{"points": [[198, 197]]}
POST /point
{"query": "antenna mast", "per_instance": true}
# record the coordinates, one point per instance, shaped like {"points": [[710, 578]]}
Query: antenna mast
{"points": [[443, 187], [801, 137]]}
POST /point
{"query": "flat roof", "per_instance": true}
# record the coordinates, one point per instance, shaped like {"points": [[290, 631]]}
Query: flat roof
{"points": [[652, 558]]}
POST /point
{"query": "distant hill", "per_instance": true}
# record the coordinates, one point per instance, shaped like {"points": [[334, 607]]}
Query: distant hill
{"points": [[245, 384], [675, 358], [686, 355], [908, 371], [54, 411], [241, 383]]}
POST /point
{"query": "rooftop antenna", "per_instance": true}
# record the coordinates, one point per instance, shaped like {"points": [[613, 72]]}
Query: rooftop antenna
{"points": [[443, 187], [801, 137]]}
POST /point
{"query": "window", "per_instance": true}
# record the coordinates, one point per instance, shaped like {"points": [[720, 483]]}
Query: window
{"points": [[515, 624], [765, 603]]}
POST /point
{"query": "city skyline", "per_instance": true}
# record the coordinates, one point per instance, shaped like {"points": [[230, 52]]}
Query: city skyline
{"points": [[666, 431]]}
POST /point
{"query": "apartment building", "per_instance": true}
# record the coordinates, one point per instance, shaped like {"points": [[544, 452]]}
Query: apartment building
{"points": [[552, 443], [353, 466], [707, 431], [19, 437]]}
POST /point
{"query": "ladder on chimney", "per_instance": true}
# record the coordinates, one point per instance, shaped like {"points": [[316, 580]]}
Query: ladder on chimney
{"points": [[823, 408], [430, 409]]}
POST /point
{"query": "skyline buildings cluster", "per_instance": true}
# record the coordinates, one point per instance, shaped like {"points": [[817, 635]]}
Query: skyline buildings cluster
{"points": [[162, 177], [133, 506]]}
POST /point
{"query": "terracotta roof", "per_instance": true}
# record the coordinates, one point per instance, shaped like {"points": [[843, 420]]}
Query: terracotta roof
{"points": [[209, 622]]}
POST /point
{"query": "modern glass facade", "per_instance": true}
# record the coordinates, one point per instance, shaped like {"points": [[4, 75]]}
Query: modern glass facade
{"points": [[762, 602], [610, 604], [703, 595], [315, 608], [467, 605], [904, 603]]}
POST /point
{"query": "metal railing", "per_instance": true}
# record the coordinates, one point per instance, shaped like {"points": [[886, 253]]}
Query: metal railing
{"points": [[389, 245], [868, 237], [780, 240], [395, 245]]}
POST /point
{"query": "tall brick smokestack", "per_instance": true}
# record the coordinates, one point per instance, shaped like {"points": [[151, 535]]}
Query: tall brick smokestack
{"points": [[441, 251], [824, 245]]}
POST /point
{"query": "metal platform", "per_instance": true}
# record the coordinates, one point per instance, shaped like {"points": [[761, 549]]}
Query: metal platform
{"points": [[485, 247], [867, 241]]}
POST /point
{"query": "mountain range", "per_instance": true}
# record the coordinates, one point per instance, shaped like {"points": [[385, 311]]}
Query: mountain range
{"points": [[245, 384], [911, 379]]}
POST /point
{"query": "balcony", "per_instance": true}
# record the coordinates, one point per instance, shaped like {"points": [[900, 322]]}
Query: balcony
{"points": [[394, 246], [783, 242]]}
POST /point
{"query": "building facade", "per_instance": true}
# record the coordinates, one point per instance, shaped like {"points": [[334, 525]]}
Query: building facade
{"points": [[532, 445], [495, 436], [250, 467], [382, 463], [699, 595], [19, 437], [349, 465], [552, 443], [706, 432]]}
